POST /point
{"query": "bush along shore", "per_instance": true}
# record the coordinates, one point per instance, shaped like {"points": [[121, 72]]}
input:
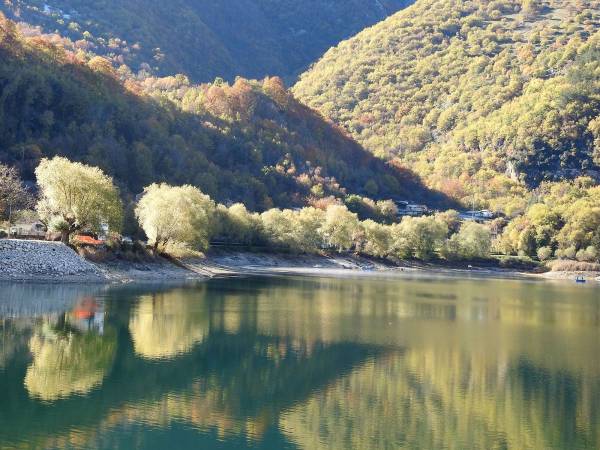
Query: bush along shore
{"points": [[76, 200]]}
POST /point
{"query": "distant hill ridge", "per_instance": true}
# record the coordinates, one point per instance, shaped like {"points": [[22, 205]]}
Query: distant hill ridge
{"points": [[483, 99], [206, 39]]}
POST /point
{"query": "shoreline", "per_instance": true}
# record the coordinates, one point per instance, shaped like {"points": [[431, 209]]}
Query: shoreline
{"points": [[245, 263], [237, 263], [224, 263]]}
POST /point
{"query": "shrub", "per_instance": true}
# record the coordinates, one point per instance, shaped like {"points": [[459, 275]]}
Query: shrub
{"points": [[574, 266], [544, 253], [590, 254], [567, 253]]}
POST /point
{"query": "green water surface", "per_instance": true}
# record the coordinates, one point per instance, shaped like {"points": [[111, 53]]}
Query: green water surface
{"points": [[301, 363]]}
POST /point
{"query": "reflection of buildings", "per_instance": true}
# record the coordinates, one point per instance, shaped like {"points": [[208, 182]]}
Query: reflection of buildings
{"points": [[28, 301], [87, 316]]}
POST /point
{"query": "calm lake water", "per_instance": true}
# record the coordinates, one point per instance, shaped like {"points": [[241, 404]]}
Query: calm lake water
{"points": [[301, 363]]}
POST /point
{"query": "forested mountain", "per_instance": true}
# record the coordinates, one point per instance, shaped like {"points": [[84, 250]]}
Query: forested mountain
{"points": [[250, 141], [483, 99], [205, 39]]}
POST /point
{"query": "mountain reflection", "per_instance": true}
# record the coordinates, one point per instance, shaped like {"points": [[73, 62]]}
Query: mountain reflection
{"points": [[449, 401], [320, 363]]}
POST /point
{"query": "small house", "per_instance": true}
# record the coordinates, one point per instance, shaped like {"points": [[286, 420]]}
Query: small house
{"points": [[32, 230]]}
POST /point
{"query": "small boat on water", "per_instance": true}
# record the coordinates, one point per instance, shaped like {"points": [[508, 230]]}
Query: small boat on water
{"points": [[580, 279]]}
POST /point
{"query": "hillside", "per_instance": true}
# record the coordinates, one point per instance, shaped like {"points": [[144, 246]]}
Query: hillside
{"points": [[205, 39], [483, 99], [250, 141]]}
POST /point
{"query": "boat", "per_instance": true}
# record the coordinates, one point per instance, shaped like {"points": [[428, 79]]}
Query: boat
{"points": [[580, 279]]}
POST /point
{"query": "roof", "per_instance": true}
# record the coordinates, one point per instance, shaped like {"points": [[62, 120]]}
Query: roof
{"points": [[88, 240]]}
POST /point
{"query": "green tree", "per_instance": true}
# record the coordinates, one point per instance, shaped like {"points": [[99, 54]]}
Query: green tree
{"points": [[473, 241], [237, 225], [388, 211], [400, 246], [364, 207], [589, 254], [339, 227], [14, 197], [423, 236], [582, 227], [308, 224], [175, 216], [74, 197], [279, 228], [377, 239], [451, 218]]}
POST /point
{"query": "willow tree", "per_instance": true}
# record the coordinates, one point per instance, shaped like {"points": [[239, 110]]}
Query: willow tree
{"points": [[74, 196], [14, 197], [178, 215], [340, 227]]}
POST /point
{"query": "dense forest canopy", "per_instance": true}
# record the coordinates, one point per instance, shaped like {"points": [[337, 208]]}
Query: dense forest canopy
{"points": [[205, 39], [249, 141], [483, 99]]}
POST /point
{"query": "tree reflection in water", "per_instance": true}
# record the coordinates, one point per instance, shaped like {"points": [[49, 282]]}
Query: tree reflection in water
{"points": [[321, 363], [62, 365], [163, 326]]}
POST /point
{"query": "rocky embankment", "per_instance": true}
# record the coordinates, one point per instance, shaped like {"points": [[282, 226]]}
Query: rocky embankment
{"points": [[40, 260], [55, 262]]}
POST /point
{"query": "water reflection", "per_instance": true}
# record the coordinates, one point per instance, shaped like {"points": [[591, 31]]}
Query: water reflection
{"points": [[70, 351], [303, 363], [29, 300], [166, 325]]}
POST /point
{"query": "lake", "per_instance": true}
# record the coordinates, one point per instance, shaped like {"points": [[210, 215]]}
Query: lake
{"points": [[301, 363]]}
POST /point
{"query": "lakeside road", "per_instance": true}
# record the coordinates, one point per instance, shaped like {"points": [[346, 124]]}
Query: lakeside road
{"points": [[36, 261]]}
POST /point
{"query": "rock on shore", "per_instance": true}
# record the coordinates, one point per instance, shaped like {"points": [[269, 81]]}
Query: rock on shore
{"points": [[42, 260]]}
